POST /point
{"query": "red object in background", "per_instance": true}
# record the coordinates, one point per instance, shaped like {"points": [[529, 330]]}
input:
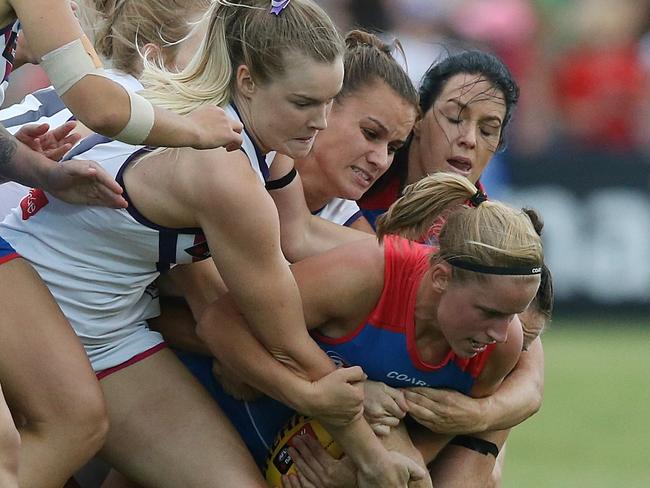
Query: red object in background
{"points": [[599, 92]]}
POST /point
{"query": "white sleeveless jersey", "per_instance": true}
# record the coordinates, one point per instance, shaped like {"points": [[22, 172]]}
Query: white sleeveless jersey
{"points": [[98, 262], [340, 211], [42, 106]]}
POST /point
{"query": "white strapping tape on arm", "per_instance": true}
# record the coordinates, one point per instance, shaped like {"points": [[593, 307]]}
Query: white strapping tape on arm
{"points": [[68, 64], [141, 121]]}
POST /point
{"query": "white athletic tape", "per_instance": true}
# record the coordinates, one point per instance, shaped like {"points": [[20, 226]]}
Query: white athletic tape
{"points": [[141, 121], [67, 64]]}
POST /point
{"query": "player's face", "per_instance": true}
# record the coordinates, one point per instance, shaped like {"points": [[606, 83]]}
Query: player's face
{"points": [[472, 314], [286, 114], [461, 131], [364, 130]]}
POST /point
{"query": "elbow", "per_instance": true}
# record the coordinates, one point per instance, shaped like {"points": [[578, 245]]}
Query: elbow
{"points": [[536, 401], [102, 122], [291, 245]]}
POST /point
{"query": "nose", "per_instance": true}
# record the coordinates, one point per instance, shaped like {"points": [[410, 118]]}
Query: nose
{"points": [[319, 120], [498, 331], [379, 157], [467, 135]]}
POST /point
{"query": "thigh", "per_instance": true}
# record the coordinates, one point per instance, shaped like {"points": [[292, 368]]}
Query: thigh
{"points": [[43, 367], [463, 467], [166, 431]]}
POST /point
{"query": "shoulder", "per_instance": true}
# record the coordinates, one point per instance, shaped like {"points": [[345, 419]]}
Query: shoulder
{"points": [[215, 173], [356, 264]]}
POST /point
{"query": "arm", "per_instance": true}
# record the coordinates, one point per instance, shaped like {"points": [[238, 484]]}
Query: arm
{"points": [[362, 225], [320, 286], [103, 105], [229, 340], [303, 234], [518, 397]]}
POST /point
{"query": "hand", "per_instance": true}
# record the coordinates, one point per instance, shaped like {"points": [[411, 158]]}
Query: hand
{"points": [[232, 384], [393, 470], [446, 411], [335, 399], [215, 129], [84, 183], [316, 468], [52, 144], [383, 406]]}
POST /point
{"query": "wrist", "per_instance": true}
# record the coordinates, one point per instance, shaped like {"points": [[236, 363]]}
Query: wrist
{"points": [[43, 170], [301, 396], [485, 420]]}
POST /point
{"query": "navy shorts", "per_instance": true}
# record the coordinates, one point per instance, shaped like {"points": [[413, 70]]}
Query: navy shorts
{"points": [[7, 253], [257, 422]]}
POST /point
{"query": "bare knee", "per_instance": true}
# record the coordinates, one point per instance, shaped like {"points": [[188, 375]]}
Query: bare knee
{"points": [[87, 415], [78, 421], [9, 452]]}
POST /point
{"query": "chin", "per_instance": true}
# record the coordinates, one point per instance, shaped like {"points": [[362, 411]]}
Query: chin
{"points": [[296, 152]]}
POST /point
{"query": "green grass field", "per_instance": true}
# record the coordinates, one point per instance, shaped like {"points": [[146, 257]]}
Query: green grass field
{"points": [[594, 426]]}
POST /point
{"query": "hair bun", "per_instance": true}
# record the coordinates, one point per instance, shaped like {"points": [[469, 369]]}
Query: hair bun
{"points": [[535, 218], [358, 38]]}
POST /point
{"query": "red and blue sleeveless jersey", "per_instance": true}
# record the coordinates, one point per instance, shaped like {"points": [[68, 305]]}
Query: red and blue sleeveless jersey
{"points": [[384, 344]]}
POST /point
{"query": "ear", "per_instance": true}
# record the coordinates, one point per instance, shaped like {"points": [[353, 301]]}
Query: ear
{"points": [[417, 128], [244, 80], [440, 276]]}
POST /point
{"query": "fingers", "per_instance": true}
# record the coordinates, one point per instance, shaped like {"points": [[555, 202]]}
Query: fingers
{"points": [[236, 143], [106, 197], [57, 153], [63, 130], [380, 430], [105, 179], [416, 471], [306, 464], [400, 401], [422, 415], [353, 374], [33, 130]]}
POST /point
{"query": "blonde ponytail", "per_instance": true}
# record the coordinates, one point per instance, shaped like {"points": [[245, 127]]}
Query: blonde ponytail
{"points": [[422, 203]]}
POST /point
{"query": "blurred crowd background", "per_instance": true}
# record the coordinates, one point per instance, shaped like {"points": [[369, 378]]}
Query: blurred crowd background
{"points": [[579, 144]]}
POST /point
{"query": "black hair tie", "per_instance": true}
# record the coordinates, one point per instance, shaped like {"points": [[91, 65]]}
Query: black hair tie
{"points": [[478, 198]]}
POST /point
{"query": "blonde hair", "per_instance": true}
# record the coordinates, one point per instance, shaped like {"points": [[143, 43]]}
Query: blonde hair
{"points": [[243, 33], [121, 28], [492, 234]]}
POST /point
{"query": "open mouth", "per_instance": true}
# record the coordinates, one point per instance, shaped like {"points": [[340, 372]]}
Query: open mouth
{"points": [[362, 175], [478, 346], [461, 165]]}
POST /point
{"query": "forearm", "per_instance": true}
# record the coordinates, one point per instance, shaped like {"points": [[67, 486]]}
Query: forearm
{"points": [[323, 235], [20, 163], [520, 394], [226, 334], [273, 310], [104, 107], [303, 234]]}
